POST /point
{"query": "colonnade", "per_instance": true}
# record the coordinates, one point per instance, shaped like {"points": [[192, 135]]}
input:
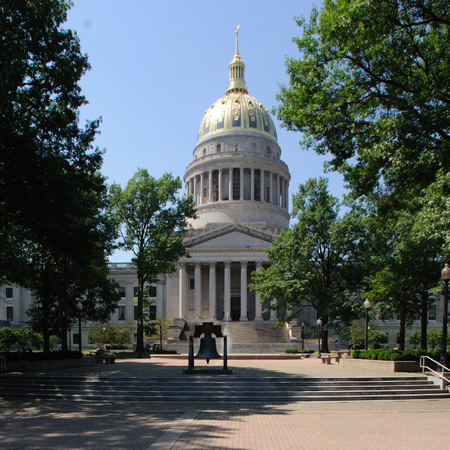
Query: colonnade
{"points": [[239, 183], [185, 276]]}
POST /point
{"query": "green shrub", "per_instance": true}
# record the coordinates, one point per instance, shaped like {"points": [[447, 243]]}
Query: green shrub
{"points": [[40, 356], [356, 354]]}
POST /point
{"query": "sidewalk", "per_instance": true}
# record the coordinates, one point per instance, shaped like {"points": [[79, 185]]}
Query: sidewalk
{"points": [[302, 425]]}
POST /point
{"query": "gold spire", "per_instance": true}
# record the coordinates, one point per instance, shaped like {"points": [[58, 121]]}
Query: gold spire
{"points": [[236, 67]]}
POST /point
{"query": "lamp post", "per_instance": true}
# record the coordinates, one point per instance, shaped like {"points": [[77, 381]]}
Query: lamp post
{"points": [[303, 335], [319, 324], [160, 335], [366, 337], [80, 308], [445, 276]]}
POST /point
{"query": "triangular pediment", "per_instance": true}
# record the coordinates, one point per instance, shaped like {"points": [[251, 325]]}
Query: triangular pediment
{"points": [[233, 235]]}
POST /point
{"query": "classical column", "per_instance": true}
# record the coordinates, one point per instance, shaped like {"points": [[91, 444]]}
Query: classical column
{"points": [[210, 187], [195, 190], [287, 195], [244, 316], [252, 184], [241, 179], [182, 291], [129, 296], [202, 186], [272, 195], [220, 186], [212, 291], [277, 190], [197, 291], [262, 188], [273, 313], [227, 291], [230, 184], [258, 306]]}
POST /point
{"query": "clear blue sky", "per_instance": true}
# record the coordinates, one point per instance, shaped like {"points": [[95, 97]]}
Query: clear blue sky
{"points": [[158, 65]]}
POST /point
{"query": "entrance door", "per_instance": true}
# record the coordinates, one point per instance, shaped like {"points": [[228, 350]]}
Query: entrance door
{"points": [[235, 308]]}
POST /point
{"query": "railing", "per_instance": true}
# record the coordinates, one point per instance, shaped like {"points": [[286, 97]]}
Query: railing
{"points": [[444, 381]]}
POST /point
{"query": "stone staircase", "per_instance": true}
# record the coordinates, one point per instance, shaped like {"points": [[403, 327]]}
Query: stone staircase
{"points": [[244, 337], [218, 389]]}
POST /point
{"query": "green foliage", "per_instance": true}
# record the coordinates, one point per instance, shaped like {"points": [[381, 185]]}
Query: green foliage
{"points": [[319, 261], [395, 354], [298, 350], [22, 338], [153, 220], [111, 333], [434, 338], [370, 88], [413, 339], [152, 330], [55, 228]]}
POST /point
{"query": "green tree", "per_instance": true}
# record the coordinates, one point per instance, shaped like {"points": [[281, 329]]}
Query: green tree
{"points": [[434, 338], [53, 199], [414, 339], [153, 220], [318, 261], [371, 89]]}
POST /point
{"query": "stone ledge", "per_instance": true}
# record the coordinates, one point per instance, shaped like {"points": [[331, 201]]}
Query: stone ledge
{"points": [[382, 366], [36, 366]]}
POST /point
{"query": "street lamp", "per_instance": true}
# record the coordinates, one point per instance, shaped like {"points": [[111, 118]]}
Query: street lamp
{"points": [[319, 324], [303, 335], [80, 308], [445, 276], [367, 307]]}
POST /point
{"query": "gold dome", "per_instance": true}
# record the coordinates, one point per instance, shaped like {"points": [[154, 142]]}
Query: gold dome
{"points": [[237, 111]]}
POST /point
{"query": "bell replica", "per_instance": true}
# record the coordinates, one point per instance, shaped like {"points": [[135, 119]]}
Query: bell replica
{"points": [[208, 348]]}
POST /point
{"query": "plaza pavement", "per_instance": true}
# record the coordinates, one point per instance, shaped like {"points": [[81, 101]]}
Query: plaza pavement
{"points": [[358, 425]]}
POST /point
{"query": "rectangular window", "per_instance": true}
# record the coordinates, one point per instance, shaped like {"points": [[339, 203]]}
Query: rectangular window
{"points": [[76, 338], [9, 292], [135, 292], [122, 291], [432, 313], [135, 312], [122, 313], [9, 313], [152, 291], [152, 312]]}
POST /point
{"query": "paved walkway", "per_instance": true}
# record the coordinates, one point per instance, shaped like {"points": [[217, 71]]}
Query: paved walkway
{"points": [[309, 425]]}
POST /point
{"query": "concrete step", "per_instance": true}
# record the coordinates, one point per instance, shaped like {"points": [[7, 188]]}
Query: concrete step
{"points": [[218, 389]]}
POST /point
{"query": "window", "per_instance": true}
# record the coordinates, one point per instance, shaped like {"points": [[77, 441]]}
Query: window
{"points": [[135, 312], [122, 291], [152, 312], [76, 338], [152, 291], [218, 148], [9, 292], [432, 313], [9, 313], [192, 283], [135, 292], [122, 315]]}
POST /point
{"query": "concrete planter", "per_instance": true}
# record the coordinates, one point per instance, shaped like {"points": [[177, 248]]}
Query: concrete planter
{"points": [[382, 366], [37, 366]]}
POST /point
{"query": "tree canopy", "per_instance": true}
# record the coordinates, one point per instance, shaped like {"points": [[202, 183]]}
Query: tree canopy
{"points": [[318, 261], [371, 89], [55, 228], [153, 220]]}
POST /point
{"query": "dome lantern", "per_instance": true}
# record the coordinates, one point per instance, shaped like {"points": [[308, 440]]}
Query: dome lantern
{"points": [[237, 71]]}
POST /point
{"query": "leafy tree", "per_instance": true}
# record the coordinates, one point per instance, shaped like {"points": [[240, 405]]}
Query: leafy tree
{"points": [[434, 338], [153, 220], [158, 328], [413, 339], [318, 261], [371, 89], [8, 337], [53, 199], [111, 333]]}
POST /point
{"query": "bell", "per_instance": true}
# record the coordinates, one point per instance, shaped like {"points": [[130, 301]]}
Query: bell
{"points": [[208, 349]]}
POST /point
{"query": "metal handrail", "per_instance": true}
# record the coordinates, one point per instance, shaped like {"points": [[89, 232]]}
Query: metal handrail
{"points": [[438, 374]]}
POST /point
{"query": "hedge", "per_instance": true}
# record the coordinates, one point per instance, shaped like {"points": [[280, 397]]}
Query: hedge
{"points": [[396, 355], [41, 356]]}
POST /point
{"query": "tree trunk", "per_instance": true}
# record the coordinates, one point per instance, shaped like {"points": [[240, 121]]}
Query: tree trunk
{"points": [[324, 331], [402, 331], [140, 316], [423, 320]]}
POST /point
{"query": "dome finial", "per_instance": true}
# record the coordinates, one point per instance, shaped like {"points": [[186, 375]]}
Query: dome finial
{"points": [[237, 71]]}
